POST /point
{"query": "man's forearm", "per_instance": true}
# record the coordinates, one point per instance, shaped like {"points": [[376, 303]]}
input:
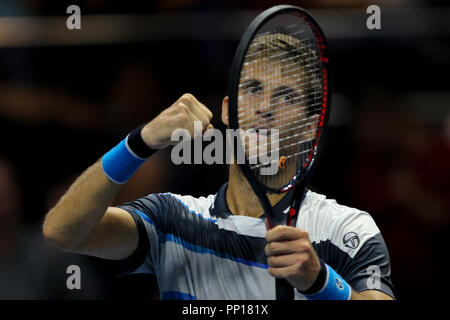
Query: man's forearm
{"points": [[80, 209]]}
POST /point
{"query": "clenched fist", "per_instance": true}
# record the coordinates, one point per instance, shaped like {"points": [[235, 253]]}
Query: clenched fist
{"points": [[180, 115], [291, 256]]}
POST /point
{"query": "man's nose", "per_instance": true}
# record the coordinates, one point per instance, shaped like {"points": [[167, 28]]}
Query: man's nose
{"points": [[265, 110]]}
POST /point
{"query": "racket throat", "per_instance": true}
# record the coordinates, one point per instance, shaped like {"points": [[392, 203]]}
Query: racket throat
{"points": [[291, 215]]}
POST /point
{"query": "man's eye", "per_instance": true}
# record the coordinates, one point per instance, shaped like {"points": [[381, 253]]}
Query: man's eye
{"points": [[288, 98], [254, 90]]}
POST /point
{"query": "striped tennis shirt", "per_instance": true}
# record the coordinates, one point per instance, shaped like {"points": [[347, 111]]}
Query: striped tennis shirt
{"points": [[198, 249]]}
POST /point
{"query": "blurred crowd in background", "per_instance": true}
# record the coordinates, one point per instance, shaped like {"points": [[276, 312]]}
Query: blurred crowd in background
{"points": [[62, 107]]}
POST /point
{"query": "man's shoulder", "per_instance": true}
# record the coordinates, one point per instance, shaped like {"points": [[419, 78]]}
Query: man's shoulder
{"points": [[172, 201], [330, 208], [328, 221], [197, 204]]}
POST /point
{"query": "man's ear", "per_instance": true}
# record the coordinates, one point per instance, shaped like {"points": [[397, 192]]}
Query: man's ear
{"points": [[225, 111]]}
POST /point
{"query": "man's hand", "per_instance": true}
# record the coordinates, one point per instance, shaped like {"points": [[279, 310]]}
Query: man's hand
{"points": [[291, 256], [181, 115]]}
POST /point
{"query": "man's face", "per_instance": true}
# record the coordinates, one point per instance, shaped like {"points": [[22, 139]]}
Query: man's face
{"points": [[272, 95]]}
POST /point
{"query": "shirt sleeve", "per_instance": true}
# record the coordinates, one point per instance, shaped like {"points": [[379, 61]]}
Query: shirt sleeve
{"points": [[353, 246], [370, 268], [149, 215]]}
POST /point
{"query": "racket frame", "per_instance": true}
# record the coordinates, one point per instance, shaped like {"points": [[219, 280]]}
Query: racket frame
{"points": [[284, 291], [235, 74]]}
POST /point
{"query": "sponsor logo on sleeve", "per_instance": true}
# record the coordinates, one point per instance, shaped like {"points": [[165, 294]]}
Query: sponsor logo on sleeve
{"points": [[351, 240]]}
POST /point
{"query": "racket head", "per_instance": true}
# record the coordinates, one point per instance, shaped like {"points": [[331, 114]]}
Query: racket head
{"points": [[279, 80]]}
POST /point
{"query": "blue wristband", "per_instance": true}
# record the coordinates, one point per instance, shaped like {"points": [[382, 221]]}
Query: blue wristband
{"points": [[121, 162], [335, 288]]}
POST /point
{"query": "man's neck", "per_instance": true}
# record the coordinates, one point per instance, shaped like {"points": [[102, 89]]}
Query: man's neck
{"points": [[240, 197]]}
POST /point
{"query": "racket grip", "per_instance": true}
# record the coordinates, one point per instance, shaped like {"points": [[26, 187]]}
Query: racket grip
{"points": [[284, 290]]}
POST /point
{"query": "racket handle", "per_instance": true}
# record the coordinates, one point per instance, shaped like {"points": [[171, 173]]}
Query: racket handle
{"points": [[284, 290]]}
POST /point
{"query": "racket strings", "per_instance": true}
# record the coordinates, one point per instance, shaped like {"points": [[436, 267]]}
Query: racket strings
{"points": [[313, 58], [306, 70], [295, 58], [292, 123], [285, 146], [281, 132], [310, 44], [252, 157], [302, 86], [283, 105], [284, 57], [293, 91], [297, 154]]}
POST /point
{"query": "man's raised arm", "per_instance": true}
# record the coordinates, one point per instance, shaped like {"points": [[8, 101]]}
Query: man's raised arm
{"points": [[82, 221]]}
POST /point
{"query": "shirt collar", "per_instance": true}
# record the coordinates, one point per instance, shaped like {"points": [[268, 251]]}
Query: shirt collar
{"points": [[220, 208]]}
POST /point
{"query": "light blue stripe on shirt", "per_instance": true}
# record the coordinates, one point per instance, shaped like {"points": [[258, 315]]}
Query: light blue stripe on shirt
{"points": [[196, 248]]}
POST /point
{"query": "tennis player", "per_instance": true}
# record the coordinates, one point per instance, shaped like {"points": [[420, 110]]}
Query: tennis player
{"points": [[218, 246]]}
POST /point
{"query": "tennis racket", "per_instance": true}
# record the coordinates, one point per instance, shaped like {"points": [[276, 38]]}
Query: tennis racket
{"points": [[279, 101]]}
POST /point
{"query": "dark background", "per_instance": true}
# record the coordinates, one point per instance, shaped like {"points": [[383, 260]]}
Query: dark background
{"points": [[68, 96]]}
